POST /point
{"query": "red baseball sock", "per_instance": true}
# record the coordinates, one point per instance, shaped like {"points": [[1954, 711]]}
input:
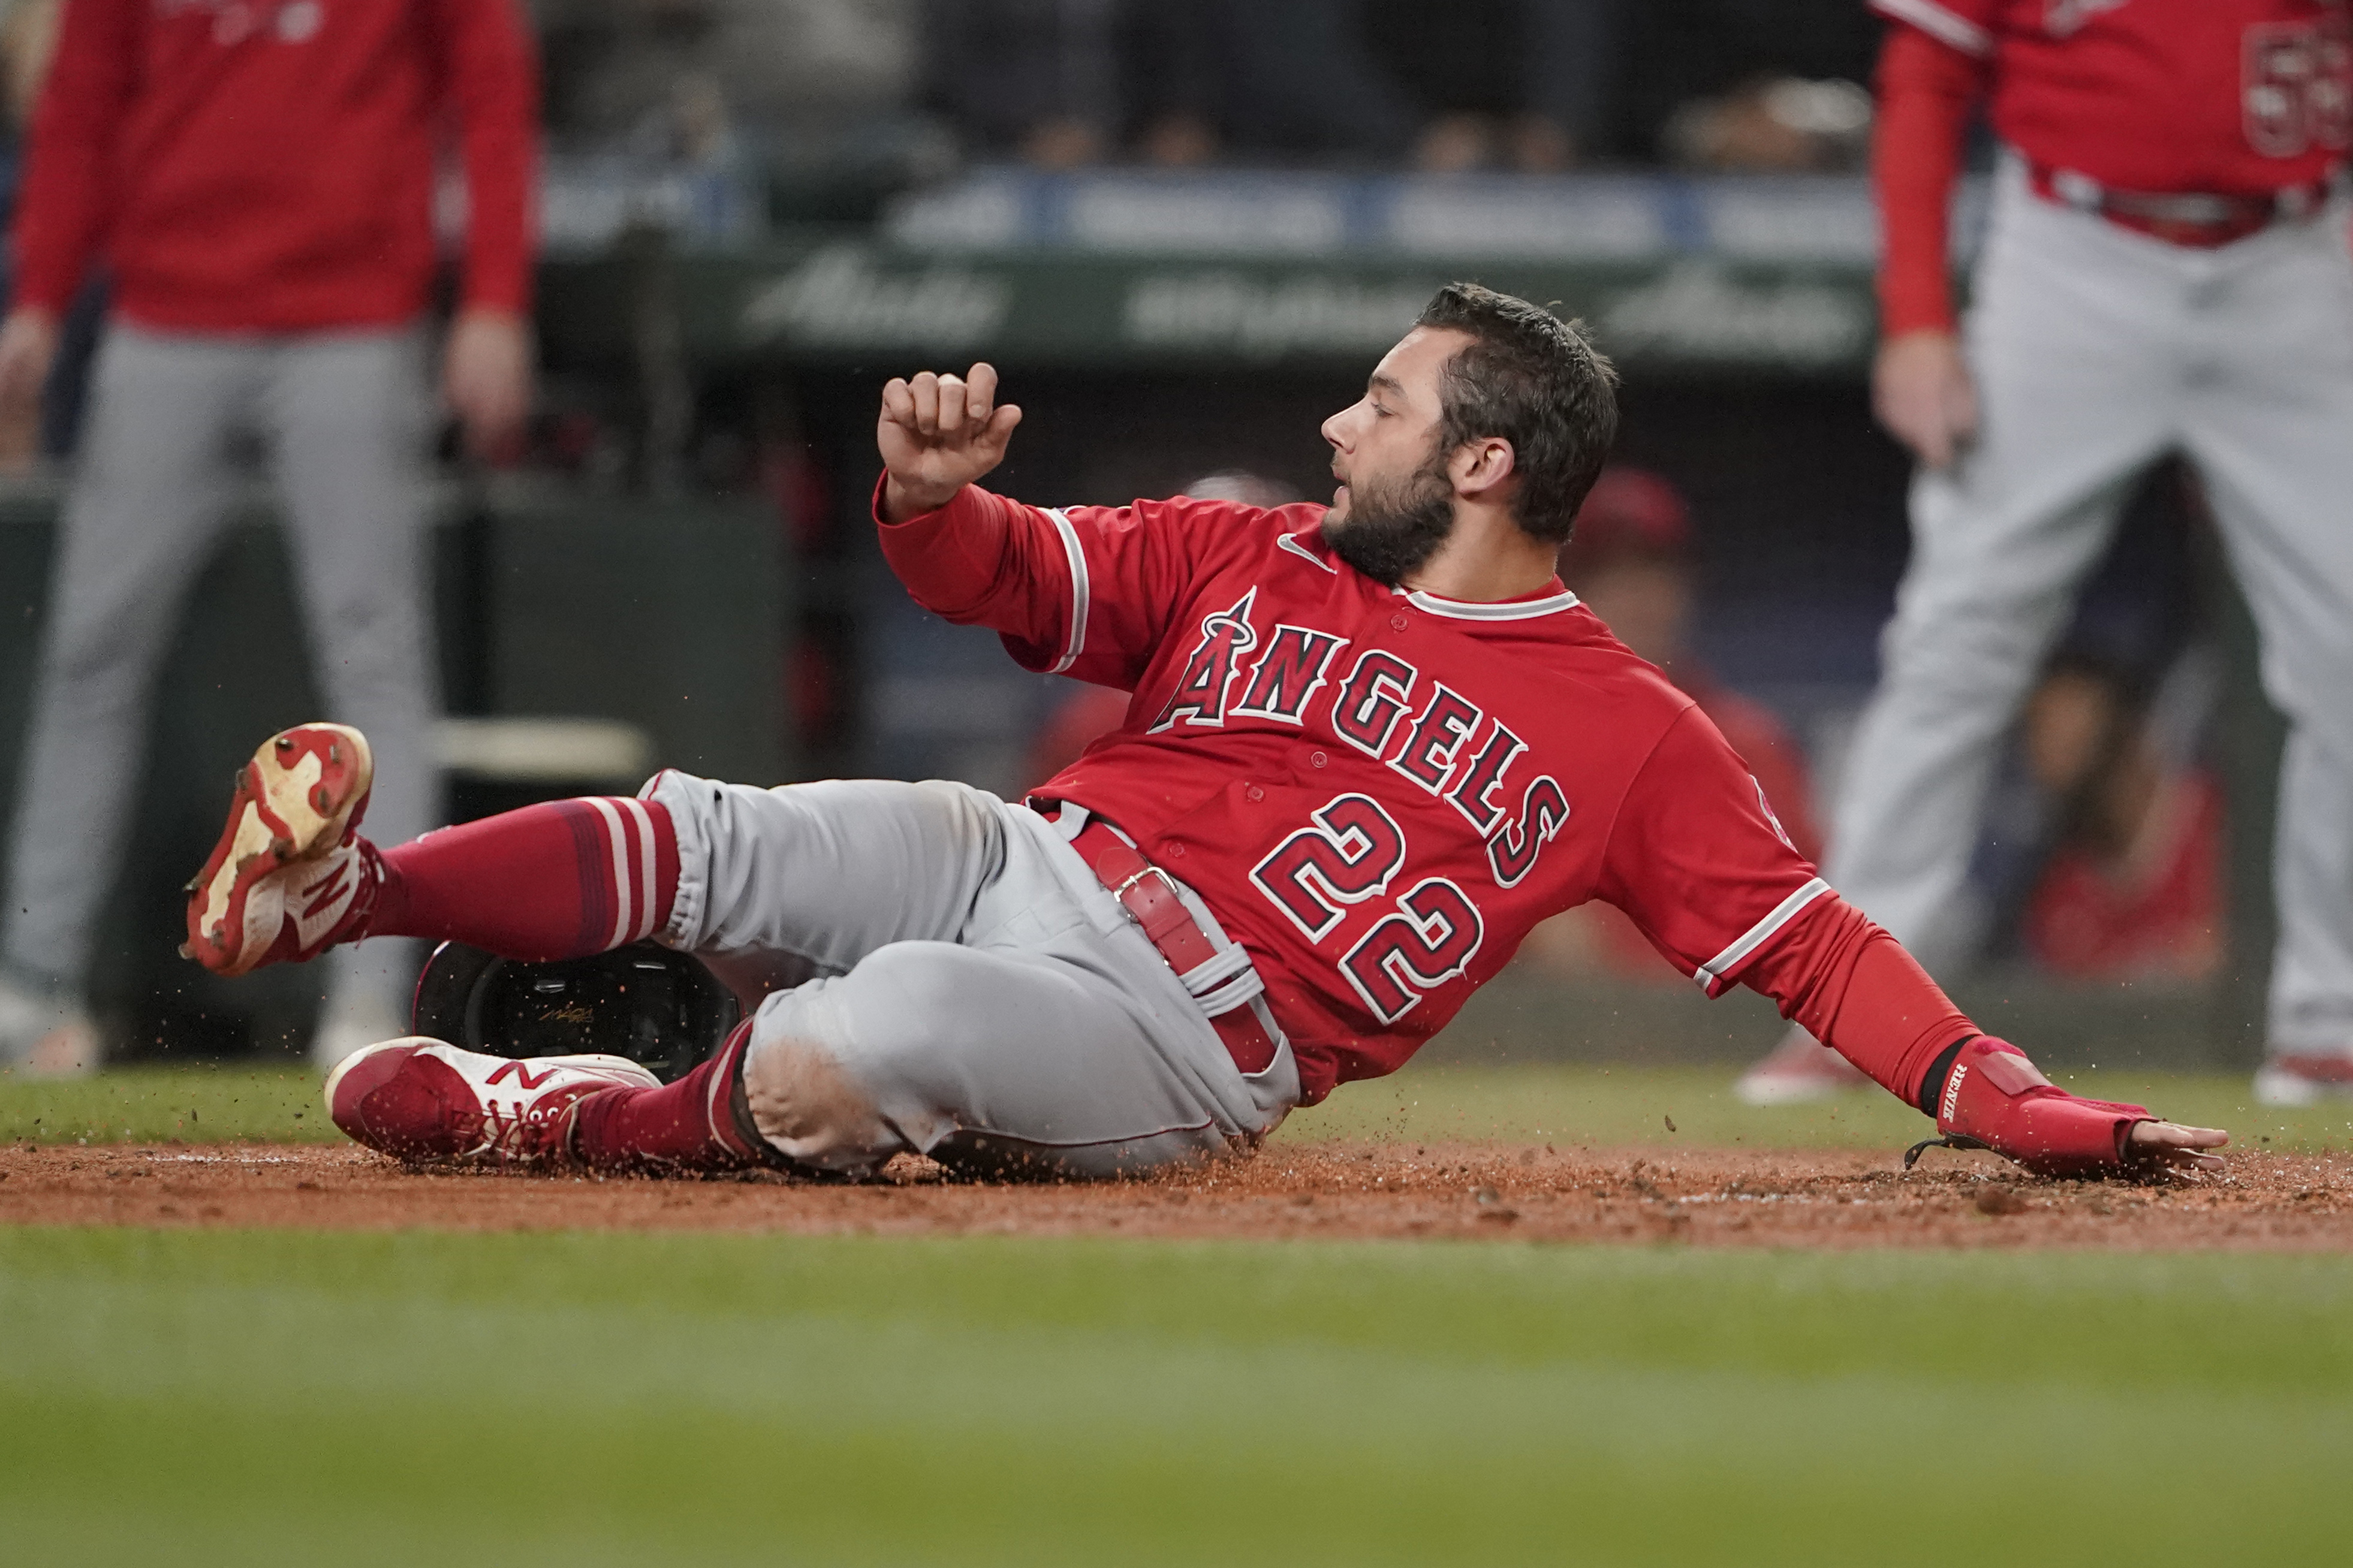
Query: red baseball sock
{"points": [[689, 1125], [559, 880]]}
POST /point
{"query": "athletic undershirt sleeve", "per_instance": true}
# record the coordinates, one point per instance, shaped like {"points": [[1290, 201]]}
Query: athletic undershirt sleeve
{"points": [[1854, 988], [68, 184], [1928, 88], [1084, 591], [1696, 860]]}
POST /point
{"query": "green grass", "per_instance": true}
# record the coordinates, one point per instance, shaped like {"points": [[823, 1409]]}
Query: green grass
{"points": [[285, 1397], [1561, 1104], [147, 1105], [262, 1398], [1607, 1106]]}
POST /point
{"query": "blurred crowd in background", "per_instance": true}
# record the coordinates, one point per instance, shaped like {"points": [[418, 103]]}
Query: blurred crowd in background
{"points": [[1538, 86]]}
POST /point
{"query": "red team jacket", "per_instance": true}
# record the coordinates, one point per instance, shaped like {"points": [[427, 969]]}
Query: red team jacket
{"points": [[1378, 792], [269, 165], [2219, 97]]}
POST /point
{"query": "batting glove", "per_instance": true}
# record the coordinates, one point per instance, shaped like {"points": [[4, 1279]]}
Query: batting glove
{"points": [[1993, 1098]]}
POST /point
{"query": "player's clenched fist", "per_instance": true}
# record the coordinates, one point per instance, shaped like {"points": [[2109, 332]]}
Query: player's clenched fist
{"points": [[938, 434]]}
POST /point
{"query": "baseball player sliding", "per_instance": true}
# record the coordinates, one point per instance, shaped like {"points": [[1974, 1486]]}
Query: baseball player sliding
{"points": [[2165, 271], [1369, 747]]}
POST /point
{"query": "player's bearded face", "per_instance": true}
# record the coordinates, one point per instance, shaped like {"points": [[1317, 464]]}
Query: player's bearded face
{"points": [[1393, 525]]}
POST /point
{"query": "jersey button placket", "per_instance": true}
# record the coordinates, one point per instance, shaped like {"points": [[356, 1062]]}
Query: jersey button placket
{"points": [[1398, 622], [1252, 793]]}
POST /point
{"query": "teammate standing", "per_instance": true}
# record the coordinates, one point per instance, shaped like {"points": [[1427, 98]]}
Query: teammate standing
{"points": [[2165, 271], [258, 177], [1369, 748]]}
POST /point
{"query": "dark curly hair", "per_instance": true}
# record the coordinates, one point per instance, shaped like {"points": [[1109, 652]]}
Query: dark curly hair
{"points": [[1535, 381]]}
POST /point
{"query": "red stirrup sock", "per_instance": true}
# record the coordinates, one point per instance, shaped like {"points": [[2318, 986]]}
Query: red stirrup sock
{"points": [[689, 1125], [559, 880]]}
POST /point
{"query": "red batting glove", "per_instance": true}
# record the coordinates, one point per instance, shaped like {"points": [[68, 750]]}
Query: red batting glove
{"points": [[1995, 1098]]}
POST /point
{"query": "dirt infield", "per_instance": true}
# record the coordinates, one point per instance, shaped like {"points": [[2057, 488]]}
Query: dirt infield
{"points": [[1705, 1198]]}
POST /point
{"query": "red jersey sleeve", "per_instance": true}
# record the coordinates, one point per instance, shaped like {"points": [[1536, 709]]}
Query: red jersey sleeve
{"points": [[494, 76], [1774, 760], [68, 188], [1931, 75], [1084, 591], [1696, 860]]}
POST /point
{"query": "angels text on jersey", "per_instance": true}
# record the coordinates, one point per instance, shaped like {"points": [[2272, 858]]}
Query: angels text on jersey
{"points": [[1433, 737]]}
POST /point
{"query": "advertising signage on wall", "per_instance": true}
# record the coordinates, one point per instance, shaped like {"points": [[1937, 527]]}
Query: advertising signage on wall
{"points": [[847, 300], [1114, 269]]}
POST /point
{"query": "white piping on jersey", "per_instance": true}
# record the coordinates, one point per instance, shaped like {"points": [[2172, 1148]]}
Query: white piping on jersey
{"points": [[1291, 542], [1509, 610], [1070, 547], [1758, 935], [1945, 27]]}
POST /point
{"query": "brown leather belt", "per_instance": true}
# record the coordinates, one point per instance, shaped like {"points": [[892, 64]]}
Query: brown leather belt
{"points": [[1145, 890], [2201, 220]]}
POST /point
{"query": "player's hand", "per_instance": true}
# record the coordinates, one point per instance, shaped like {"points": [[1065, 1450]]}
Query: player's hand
{"points": [[1996, 1098], [2171, 1145], [1921, 392], [938, 434], [486, 380], [28, 343]]}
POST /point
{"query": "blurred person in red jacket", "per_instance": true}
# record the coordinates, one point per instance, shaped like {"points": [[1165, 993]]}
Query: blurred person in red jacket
{"points": [[257, 178], [2132, 889], [1631, 561]]}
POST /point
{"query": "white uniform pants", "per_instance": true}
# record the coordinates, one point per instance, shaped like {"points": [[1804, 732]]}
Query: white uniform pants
{"points": [[2096, 352], [344, 416], [986, 1000]]}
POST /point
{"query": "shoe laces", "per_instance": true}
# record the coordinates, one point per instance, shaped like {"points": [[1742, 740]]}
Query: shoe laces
{"points": [[524, 1132]]}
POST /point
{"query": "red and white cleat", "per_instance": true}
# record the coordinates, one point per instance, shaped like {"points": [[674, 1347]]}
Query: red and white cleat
{"points": [[2305, 1078], [1798, 1072], [418, 1099], [290, 877]]}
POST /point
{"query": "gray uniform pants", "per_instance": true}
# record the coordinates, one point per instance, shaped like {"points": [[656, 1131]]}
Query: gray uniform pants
{"points": [[2096, 350], [979, 995], [345, 415]]}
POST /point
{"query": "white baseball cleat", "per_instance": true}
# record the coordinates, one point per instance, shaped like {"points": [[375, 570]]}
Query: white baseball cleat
{"points": [[290, 877], [418, 1099], [1798, 1072], [2291, 1079]]}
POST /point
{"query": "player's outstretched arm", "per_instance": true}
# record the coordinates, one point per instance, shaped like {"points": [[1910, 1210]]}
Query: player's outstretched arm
{"points": [[937, 434]]}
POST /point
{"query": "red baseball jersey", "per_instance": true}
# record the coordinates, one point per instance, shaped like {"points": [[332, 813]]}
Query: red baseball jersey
{"points": [[1378, 792], [267, 165], [2222, 96]]}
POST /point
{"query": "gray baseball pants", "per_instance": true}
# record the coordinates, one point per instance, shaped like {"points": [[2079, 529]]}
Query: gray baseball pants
{"points": [[344, 415], [2097, 350], [979, 996]]}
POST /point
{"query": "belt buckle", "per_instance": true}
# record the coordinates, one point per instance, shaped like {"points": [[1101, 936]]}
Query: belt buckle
{"points": [[1150, 869]]}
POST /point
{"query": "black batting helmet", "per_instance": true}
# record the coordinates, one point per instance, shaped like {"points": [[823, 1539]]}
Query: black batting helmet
{"points": [[658, 1007]]}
